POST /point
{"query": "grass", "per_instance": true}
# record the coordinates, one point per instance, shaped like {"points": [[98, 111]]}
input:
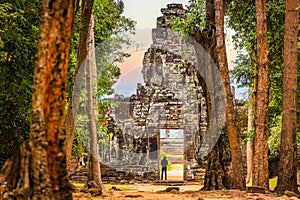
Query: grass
{"points": [[121, 187], [173, 167], [162, 154], [273, 182], [78, 185]]}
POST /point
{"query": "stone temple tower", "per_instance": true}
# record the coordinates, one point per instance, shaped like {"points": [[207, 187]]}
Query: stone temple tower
{"points": [[173, 98]]}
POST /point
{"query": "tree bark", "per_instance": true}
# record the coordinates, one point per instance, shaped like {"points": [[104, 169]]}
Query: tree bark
{"points": [[94, 173], [287, 173], [16, 173], [250, 143], [234, 140], [47, 133], [261, 173], [70, 123], [218, 173]]}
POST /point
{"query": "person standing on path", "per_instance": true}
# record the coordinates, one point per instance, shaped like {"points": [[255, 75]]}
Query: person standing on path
{"points": [[164, 164]]}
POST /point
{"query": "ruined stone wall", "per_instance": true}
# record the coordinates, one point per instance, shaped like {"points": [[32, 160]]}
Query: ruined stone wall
{"points": [[172, 98], [169, 64]]}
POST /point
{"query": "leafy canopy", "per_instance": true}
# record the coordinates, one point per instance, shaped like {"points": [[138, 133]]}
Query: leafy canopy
{"points": [[19, 22]]}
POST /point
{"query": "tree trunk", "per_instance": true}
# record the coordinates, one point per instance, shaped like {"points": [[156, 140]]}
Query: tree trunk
{"points": [[47, 133], [70, 124], [250, 143], [261, 173], [94, 164], [287, 173], [16, 173], [234, 140], [94, 173], [218, 173]]}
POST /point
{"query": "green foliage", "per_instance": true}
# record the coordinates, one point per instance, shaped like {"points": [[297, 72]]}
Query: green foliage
{"points": [[81, 136], [19, 28], [242, 19], [274, 138], [109, 29], [243, 71], [175, 167], [162, 154], [73, 54], [19, 22], [248, 135], [78, 147], [110, 40], [109, 26], [109, 19], [193, 20]]}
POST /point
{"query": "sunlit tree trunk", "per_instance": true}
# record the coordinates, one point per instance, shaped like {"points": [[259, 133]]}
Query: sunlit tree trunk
{"points": [[234, 140], [250, 143], [47, 133], [70, 124], [262, 82], [218, 173], [287, 173], [94, 173]]}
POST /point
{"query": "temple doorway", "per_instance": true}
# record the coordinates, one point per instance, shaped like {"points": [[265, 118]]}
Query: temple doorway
{"points": [[172, 147]]}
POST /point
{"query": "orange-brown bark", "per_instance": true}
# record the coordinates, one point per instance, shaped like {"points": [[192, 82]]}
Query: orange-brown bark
{"points": [[47, 134], [262, 82], [235, 143], [70, 124], [287, 173]]}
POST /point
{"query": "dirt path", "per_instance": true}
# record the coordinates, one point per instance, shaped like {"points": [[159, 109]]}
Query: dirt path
{"points": [[186, 192]]}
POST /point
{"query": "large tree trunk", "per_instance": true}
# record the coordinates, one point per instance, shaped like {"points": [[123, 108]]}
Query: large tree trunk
{"points": [[70, 124], [287, 173], [218, 173], [94, 173], [234, 140], [16, 173], [261, 173], [250, 143], [47, 134]]}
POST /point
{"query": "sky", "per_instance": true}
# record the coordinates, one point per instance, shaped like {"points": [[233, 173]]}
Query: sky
{"points": [[145, 13]]}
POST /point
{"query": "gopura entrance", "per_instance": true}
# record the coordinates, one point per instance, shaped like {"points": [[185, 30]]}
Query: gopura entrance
{"points": [[172, 148], [173, 99]]}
